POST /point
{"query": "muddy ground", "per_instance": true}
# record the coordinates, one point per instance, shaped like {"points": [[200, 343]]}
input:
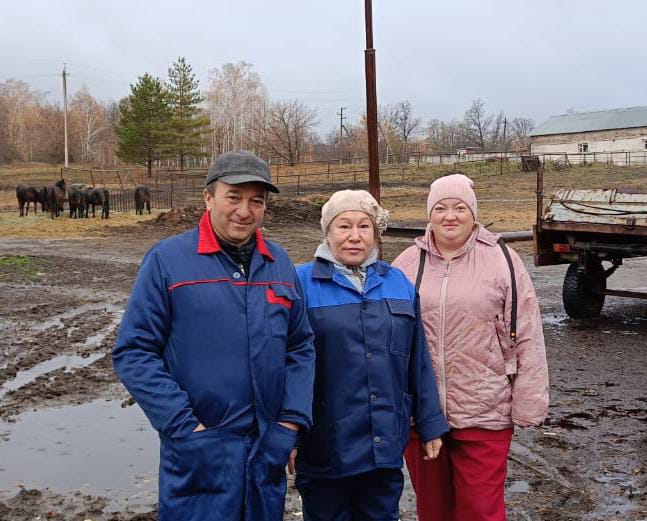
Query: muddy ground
{"points": [[73, 446]]}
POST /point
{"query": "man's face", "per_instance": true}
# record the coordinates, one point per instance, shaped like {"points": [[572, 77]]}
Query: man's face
{"points": [[236, 210]]}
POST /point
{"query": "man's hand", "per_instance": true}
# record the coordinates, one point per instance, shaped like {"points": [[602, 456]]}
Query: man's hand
{"points": [[289, 425], [432, 448], [293, 452], [199, 428], [293, 457]]}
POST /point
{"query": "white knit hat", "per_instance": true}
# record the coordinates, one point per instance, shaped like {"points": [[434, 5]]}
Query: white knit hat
{"points": [[354, 200], [455, 186]]}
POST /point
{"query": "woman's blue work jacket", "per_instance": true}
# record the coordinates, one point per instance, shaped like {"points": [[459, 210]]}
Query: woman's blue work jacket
{"points": [[372, 371], [200, 340]]}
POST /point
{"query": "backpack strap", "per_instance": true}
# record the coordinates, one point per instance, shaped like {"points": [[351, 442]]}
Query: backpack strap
{"points": [[421, 268], [513, 310]]}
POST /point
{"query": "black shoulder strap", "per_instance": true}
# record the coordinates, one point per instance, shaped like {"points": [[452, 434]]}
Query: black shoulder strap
{"points": [[421, 268], [513, 281], [513, 311]]}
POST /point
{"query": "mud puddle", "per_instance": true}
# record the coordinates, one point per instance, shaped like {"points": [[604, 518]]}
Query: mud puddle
{"points": [[99, 448]]}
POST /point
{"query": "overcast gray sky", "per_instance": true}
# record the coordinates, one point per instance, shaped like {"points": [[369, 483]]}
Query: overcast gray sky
{"points": [[527, 58]]}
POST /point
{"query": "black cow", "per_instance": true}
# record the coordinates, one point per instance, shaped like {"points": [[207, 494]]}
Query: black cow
{"points": [[42, 195], [55, 197], [99, 197], [142, 198], [74, 199], [27, 194]]}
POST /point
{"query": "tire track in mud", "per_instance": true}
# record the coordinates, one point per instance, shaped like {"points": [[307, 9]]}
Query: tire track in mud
{"points": [[65, 359]]}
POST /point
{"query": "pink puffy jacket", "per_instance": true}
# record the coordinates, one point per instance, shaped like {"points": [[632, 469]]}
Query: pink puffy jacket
{"points": [[465, 306]]}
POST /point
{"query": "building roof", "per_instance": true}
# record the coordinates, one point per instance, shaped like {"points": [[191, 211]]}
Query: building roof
{"points": [[591, 121]]}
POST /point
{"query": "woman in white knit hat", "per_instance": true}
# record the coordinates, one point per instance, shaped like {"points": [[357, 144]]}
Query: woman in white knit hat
{"points": [[484, 334], [373, 372]]}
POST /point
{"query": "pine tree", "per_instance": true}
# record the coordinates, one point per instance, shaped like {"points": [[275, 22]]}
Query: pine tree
{"points": [[144, 119], [187, 126]]}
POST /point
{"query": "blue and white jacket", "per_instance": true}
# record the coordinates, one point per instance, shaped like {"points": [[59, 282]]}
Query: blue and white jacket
{"points": [[373, 372], [200, 342]]}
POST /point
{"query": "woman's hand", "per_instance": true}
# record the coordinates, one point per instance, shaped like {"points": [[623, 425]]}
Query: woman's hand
{"points": [[432, 448]]}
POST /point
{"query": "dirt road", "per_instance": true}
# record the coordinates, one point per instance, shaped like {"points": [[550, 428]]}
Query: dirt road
{"points": [[72, 445]]}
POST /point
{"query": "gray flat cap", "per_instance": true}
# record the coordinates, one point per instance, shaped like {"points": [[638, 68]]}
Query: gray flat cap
{"points": [[235, 168]]}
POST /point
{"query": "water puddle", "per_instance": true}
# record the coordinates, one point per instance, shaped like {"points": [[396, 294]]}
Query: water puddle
{"points": [[97, 338], [554, 319], [98, 448], [518, 487], [69, 362], [615, 507]]}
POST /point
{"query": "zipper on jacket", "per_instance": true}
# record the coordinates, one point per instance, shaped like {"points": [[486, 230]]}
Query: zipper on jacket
{"points": [[442, 378]]}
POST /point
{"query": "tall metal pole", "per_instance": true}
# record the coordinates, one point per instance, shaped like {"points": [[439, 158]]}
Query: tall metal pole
{"points": [[371, 106], [65, 113], [341, 129]]}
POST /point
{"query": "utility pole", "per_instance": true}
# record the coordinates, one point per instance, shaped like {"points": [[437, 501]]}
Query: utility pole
{"points": [[65, 113], [341, 128], [505, 144], [371, 105]]}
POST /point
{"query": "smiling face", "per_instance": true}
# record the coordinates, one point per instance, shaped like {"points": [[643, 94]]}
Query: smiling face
{"points": [[351, 237], [452, 223], [235, 210]]}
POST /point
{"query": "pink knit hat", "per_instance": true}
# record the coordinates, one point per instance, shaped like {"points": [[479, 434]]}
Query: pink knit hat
{"points": [[455, 186]]}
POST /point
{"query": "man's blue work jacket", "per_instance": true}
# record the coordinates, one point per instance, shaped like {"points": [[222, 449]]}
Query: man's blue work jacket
{"points": [[373, 372], [198, 338]]}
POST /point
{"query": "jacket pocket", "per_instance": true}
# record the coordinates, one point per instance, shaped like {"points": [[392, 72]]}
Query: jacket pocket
{"points": [[204, 462], [273, 454], [507, 347], [403, 322], [279, 300]]}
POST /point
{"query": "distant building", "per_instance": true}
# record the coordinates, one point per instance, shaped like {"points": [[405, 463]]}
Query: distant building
{"points": [[605, 132]]}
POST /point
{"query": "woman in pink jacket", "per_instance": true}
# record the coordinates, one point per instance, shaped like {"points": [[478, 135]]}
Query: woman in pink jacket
{"points": [[489, 359]]}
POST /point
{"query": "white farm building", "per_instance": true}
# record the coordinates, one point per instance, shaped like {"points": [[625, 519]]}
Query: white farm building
{"points": [[617, 136]]}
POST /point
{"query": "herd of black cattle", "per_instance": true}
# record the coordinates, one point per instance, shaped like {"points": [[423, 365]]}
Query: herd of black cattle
{"points": [[79, 199]]}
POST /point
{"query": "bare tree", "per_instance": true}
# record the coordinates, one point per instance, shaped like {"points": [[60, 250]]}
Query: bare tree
{"points": [[237, 106], [521, 128], [387, 132], [478, 124], [445, 137], [30, 125], [499, 133], [90, 125], [405, 123], [287, 129]]}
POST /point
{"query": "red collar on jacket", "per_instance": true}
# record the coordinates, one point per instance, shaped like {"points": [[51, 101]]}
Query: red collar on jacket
{"points": [[208, 242]]}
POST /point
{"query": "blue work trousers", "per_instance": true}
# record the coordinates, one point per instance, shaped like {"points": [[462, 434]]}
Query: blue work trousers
{"points": [[371, 496]]}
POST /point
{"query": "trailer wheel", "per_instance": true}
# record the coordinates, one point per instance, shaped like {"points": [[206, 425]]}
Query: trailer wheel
{"points": [[583, 293]]}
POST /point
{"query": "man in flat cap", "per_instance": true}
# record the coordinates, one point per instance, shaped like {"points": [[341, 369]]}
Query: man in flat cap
{"points": [[216, 348]]}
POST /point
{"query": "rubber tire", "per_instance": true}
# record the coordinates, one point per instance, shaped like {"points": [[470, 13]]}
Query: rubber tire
{"points": [[583, 293]]}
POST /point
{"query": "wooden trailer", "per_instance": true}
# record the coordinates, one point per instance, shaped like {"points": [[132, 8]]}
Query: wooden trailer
{"points": [[584, 228]]}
